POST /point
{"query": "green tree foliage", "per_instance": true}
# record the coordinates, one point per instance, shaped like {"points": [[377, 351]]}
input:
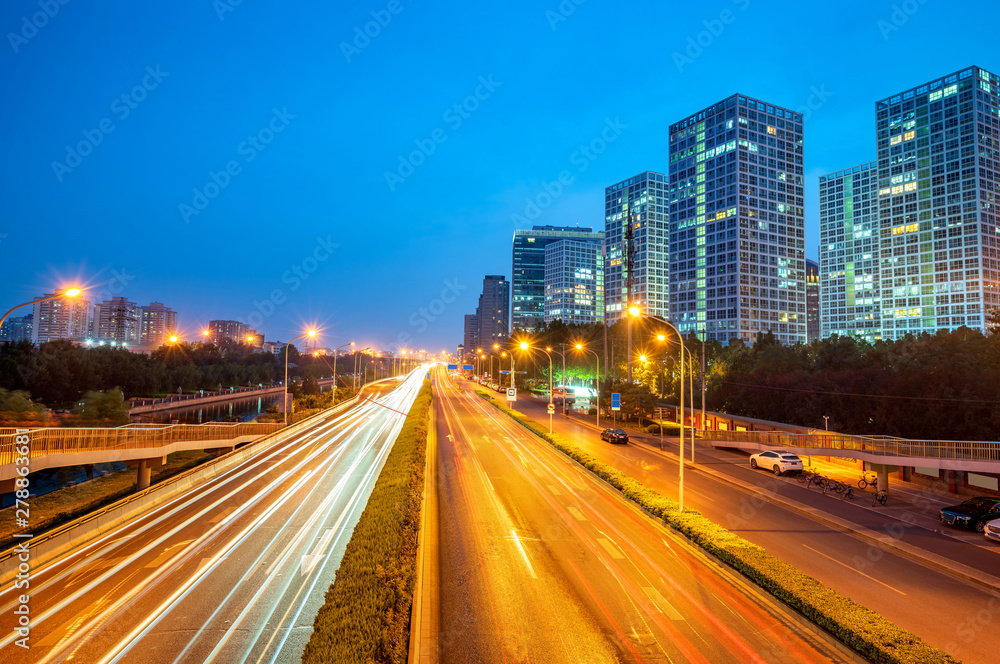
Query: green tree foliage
{"points": [[105, 407], [17, 401]]}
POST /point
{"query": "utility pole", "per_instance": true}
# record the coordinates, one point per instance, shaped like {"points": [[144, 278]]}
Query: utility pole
{"points": [[703, 386], [564, 377], [629, 260]]}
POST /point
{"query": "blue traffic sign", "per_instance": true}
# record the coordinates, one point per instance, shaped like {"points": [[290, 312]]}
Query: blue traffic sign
{"points": [[468, 367], [616, 401], [452, 367], [504, 371]]}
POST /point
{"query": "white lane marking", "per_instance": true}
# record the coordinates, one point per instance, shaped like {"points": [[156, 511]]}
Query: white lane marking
{"points": [[871, 578], [670, 549], [517, 541], [222, 515], [309, 561], [554, 490], [610, 548], [661, 603], [577, 514]]}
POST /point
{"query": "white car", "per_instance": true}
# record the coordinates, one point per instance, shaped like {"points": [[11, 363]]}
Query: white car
{"points": [[992, 530], [776, 461]]}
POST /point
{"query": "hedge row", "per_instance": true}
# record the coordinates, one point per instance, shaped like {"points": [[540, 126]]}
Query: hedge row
{"points": [[863, 630], [366, 616]]}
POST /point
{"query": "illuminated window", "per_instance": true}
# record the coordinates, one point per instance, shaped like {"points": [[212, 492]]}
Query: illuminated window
{"points": [[895, 140], [771, 130], [910, 186], [908, 136], [950, 90], [935, 96]]}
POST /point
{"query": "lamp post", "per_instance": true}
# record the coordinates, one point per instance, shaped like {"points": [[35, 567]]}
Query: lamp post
{"points": [[525, 346], [597, 379], [335, 353], [70, 292], [310, 334], [680, 457], [631, 312], [354, 380], [563, 356]]}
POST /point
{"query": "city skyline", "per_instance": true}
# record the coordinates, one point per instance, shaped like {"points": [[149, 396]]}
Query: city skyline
{"points": [[280, 250]]}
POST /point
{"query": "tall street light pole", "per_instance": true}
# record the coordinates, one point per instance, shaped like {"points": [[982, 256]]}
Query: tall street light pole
{"points": [[563, 356], [525, 346], [310, 333], [680, 457], [335, 353], [71, 292]]}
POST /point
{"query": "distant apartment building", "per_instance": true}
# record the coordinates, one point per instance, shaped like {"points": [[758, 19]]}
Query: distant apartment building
{"points": [[636, 236], [493, 313], [156, 323], [60, 318], [233, 330], [812, 301], [471, 333], [116, 321], [938, 176], [16, 329], [849, 253], [527, 283], [574, 282], [737, 222]]}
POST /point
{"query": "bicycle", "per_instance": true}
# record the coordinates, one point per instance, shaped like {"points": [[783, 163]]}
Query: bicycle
{"points": [[816, 479], [881, 498], [867, 481], [804, 476], [835, 486], [848, 493]]}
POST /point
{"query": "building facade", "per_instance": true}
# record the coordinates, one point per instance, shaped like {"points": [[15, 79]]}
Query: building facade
{"points": [[527, 283], [471, 336], [493, 313], [938, 177], [232, 330], [574, 282], [116, 321], [16, 329], [849, 253], [812, 301], [156, 323], [60, 318], [737, 222], [636, 232]]}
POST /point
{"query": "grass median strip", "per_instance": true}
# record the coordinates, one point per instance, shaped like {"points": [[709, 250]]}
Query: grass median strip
{"points": [[366, 615], [863, 630]]}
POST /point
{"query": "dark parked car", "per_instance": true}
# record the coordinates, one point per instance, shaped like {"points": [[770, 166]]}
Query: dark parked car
{"points": [[614, 436], [973, 513]]}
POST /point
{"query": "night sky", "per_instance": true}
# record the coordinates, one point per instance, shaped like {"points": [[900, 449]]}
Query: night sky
{"points": [[243, 161]]}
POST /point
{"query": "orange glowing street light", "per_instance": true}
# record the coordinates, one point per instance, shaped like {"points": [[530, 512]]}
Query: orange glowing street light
{"points": [[69, 292], [309, 333]]}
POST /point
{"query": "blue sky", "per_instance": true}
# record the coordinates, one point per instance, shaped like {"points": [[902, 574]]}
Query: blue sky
{"points": [[309, 115]]}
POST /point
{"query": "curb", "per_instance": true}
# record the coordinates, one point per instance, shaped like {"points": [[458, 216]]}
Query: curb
{"points": [[424, 615]]}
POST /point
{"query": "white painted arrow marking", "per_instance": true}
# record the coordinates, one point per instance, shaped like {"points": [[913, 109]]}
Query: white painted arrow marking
{"points": [[309, 562]]}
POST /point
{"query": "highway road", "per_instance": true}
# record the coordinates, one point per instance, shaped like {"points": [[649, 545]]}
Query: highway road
{"points": [[233, 571], [542, 562], [945, 610]]}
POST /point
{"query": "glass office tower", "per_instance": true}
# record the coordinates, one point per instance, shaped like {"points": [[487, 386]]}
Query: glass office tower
{"points": [[938, 165], [737, 223], [849, 253]]}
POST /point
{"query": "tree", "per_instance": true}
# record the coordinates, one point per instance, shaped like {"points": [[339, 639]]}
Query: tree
{"points": [[107, 407]]}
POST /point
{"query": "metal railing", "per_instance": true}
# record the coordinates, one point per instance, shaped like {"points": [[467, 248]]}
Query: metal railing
{"points": [[964, 450], [63, 440]]}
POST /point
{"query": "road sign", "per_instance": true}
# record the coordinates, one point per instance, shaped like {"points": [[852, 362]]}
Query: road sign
{"points": [[551, 408], [511, 394], [428, 375], [452, 367], [468, 367], [504, 371], [616, 401]]}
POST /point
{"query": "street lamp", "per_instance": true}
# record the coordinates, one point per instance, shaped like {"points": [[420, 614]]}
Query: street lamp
{"points": [[70, 292], [563, 377], [335, 353], [633, 312], [598, 380], [680, 457], [310, 333], [356, 357], [551, 408]]}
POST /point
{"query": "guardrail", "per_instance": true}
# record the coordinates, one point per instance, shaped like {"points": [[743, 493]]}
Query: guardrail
{"points": [[956, 450], [59, 440]]}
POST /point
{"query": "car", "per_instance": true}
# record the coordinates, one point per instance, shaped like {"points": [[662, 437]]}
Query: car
{"points": [[777, 461], [973, 513], [992, 529], [614, 436]]}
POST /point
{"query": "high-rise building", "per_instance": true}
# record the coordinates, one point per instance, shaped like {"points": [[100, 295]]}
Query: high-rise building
{"points": [[527, 284], [471, 337], [938, 174], [16, 329], [116, 320], [812, 300], [737, 222], [493, 314], [60, 318], [157, 322], [635, 230], [574, 282], [849, 253], [233, 330]]}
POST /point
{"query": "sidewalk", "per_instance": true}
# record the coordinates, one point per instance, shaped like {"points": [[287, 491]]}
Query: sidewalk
{"points": [[908, 523]]}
